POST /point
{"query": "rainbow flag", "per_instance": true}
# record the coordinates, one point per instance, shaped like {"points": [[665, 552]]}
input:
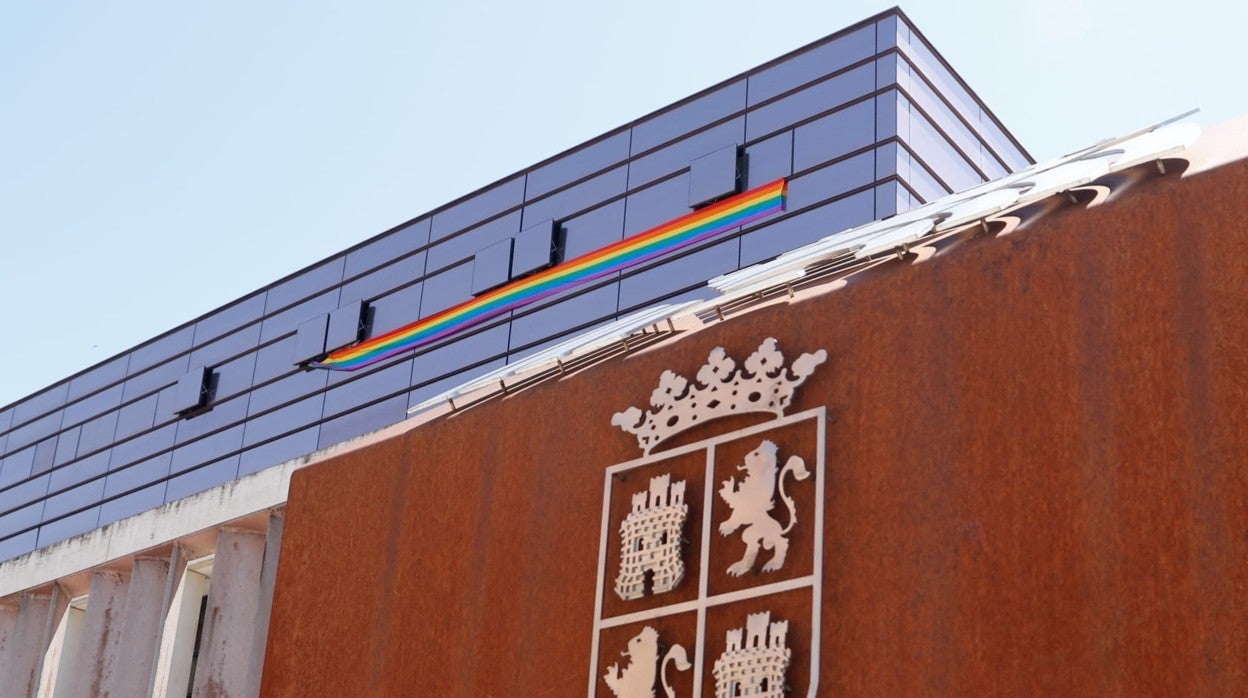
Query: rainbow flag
{"points": [[684, 231]]}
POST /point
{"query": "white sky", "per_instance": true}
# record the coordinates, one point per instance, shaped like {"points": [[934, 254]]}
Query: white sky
{"points": [[158, 160]]}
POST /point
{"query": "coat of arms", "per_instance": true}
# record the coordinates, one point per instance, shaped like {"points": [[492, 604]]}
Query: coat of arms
{"points": [[703, 614]]}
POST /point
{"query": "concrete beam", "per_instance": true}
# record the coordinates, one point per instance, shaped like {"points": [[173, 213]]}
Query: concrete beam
{"points": [[230, 620]]}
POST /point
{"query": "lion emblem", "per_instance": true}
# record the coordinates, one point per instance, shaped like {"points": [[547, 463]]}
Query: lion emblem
{"points": [[637, 679], [751, 501]]}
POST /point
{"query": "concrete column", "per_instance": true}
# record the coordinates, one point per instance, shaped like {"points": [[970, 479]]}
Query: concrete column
{"points": [[24, 652], [268, 578], [8, 641], [55, 632], [96, 659], [139, 638], [183, 589], [230, 620]]}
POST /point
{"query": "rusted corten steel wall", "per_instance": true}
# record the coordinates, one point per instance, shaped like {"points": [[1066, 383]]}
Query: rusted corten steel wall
{"points": [[1035, 483]]}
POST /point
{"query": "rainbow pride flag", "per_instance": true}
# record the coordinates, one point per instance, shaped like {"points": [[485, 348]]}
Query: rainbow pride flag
{"points": [[684, 231]]}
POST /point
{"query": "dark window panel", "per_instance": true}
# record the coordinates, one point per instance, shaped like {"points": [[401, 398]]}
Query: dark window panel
{"points": [[831, 181], [593, 230], [533, 249], [32, 432], [289, 388], [429, 390], [68, 527], [769, 160], [6, 419], [888, 72], [164, 404], [83, 495], [446, 359], [886, 32], [713, 176], [956, 131], [812, 64], [192, 389], [229, 318], [886, 115], [412, 236], [673, 123], [22, 518], [445, 289], [919, 178], [934, 149], [523, 352], [207, 449], [833, 135], [136, 475], [394, 310], [136, 417], [289, 320], [40, 403], [142, 447], [226, 347], [45, 454], [887, 161], [201, 479], [274, 360], [131, 504], [573, 166], [578, 198], [30, 491], [97, 432], [344, 396], [491, 267], [66, 446], [360, 422], [287, 419], [472, 210], [220, 416], [345, 324], [767, 242], [310, 339], [156, 378], [93, 406], [279, 451], [677, 156], [810, 101], [312, 282], [18, 545], [461, 247], [656, 205], [17, 466], [386, 279], [560, 317], [671, 276], [159, 350], [886, 198], [233, 377]]}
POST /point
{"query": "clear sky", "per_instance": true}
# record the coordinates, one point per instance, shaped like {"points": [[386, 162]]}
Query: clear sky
{"points": [[158, 159]]}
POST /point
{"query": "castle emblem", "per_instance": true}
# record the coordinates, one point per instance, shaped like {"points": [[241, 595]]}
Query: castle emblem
{"points": [[637, 679], [752, 500], [650, 540], [754, 665]]}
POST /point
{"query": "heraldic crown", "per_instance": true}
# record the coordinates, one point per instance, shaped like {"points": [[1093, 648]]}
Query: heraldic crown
{"points": [[764, 385]]}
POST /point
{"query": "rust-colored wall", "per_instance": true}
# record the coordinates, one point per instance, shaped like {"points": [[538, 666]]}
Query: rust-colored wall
{"points": [[1035, 484]]}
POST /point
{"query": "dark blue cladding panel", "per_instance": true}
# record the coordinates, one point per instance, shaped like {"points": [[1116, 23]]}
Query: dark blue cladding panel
{"points": [[919, 178], [556, 319], [360, 422], [813, 100], [830, 181], [142, 447], [131, 504], [812, 64], [34, 431], [45, 454], [886, 115], [674, 123], [68, 527], [388, 247], [16, 466], [491, 266], [93, 406], [441, 385], [578, 198], [446, 288], [281, 421], [678, 274], [230, 318], [165, 400], [227, 347], [678, 155], [767, 242], [234, 377], [533, 248], [136, 417], [202, 478], [137, 475], [193, 388], [888, 72], [159, 350], [456, 249], [833, 136], [656, 205], [394, 310], [385, 279], [97, 433], [769, 160], [70, 500], [156, 378], [933, 148], [310, 339], [590, 231], [40, 403], [289, 320], [210, 448], [21, 519], [18, 545], [362, 389], [305, 284], [23, 494], [477, 208], [344, 325], [66, 446], [79, 471], [278, 451], [713, 176], [219, 416], [581, 163], [451, 357]]}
